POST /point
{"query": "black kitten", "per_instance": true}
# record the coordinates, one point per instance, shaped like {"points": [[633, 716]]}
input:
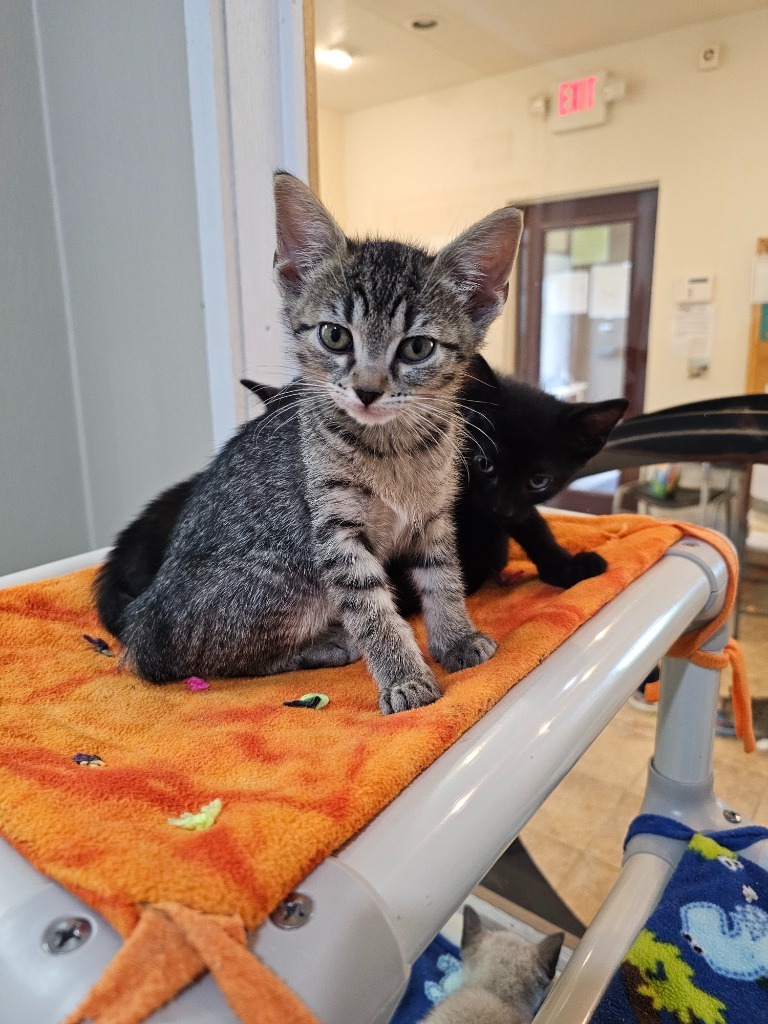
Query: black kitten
{"points": [[527, 446], [524, 447]]}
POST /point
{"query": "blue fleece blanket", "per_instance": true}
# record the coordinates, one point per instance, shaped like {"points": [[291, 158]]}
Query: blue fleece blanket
{"points": [[702, 957], [434, 975]]}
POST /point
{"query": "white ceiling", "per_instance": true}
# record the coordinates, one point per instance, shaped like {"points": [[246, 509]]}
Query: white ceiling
{"points": [[476, 38]]}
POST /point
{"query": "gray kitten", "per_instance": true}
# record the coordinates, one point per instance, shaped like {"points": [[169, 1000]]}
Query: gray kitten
{"points": [[277, 560], [504, 979]]}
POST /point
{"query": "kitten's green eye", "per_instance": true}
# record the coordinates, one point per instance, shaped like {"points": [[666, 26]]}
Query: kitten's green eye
{"points": [[483, 464], [540, 482], [415, 350], [335, 337]]}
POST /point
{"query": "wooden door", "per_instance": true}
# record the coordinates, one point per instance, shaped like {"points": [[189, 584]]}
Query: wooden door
{"points": [[584, 291]]}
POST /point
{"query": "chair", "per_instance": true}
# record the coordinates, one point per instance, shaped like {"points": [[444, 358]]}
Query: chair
{"points": [[730, 432], [701, 497]]}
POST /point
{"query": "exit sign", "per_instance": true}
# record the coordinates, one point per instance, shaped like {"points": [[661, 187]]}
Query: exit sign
{"points": [[580, 103], [575, 96]]}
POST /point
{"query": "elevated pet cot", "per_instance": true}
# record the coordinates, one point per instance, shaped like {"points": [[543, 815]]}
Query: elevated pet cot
{"points": [[371, 907]]}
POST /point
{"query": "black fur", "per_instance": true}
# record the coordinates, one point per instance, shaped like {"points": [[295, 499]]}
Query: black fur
{"points": [[138, 553]]}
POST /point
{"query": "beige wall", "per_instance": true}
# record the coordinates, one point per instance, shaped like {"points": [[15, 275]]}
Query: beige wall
{"points": [[330, 130], [427, 167]]}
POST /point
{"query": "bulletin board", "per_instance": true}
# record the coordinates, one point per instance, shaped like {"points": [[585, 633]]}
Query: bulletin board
{"points": [[757, 364]]}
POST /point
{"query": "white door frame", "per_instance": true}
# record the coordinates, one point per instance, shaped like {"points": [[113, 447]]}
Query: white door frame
{"points": [[249, 117]]}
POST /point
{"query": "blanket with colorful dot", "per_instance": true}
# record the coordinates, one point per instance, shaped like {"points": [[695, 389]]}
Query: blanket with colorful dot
{"points": [[702, 956], [185, 813]]}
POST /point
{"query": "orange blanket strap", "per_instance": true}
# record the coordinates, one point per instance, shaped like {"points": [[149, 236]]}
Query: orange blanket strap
{"points": [[690, 644], [170, 947]]}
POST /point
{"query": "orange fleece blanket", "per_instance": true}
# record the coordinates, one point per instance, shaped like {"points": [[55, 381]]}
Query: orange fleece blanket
{"points": [[103, 832]]}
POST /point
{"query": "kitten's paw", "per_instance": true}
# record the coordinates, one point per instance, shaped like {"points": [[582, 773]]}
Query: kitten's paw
{"points": [[405, 696], [580, 567], [472, 649]]}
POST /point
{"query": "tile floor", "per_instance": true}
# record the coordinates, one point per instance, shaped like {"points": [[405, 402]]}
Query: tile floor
{"points": [[576, 836]]}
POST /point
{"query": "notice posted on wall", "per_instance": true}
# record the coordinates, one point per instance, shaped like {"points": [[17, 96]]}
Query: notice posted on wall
{"points": [[693, 328]]}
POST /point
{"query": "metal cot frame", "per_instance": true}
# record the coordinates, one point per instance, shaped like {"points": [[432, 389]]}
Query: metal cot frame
{"points": [[378, 901]]}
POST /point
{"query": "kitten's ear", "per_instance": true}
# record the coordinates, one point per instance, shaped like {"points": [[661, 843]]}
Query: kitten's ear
{"points": [[593, 422], [480, 262], [263, 391], [548, 951], [473, 928], [306, 233]]}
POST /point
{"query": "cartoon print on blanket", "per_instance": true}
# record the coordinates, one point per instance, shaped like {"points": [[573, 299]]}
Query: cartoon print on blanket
{"points": [[702, 957], [734, 943]]}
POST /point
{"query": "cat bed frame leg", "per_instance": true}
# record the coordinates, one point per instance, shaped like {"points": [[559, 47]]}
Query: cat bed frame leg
{"points": [[680, 785]]}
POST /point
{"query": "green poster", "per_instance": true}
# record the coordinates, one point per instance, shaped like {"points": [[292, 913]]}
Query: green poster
{"points": [[590, 245]]}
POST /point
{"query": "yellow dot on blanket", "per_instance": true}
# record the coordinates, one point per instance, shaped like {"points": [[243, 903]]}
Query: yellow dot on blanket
{"points": [[309, 700], [204, 818]]}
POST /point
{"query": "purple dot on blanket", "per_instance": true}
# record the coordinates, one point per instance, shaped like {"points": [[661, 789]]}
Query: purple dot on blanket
{"points": [[195, 683], [88, 760], [99, 645]]}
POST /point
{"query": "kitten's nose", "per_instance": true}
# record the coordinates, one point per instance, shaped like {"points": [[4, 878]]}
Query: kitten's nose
{"points": [[368, 397]]}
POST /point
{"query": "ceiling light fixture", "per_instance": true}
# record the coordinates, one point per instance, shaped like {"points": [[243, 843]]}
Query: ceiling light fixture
{"points": [[335, 58]]}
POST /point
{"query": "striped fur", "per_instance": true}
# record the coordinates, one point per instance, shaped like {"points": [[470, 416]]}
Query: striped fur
{"points": [[276, 562]]}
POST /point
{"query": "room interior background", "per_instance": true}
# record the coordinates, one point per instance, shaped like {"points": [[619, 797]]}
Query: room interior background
{"points": [[136, 145]]}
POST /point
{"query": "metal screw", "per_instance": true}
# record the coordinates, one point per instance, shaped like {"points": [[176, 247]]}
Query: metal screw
{"points": [[66, 934], [293, 912], [733, 816]]}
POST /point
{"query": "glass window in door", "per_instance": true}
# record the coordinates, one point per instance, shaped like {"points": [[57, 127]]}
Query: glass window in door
{"points": [[584, 311]]}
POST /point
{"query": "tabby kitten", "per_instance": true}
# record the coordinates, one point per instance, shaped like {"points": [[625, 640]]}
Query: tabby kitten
{"points": [[277, 559], [504, 979], [522, 448]]}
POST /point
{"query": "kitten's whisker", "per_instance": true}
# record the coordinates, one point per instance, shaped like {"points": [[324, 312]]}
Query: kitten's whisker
{"points": [[417, 411], [470, 376], [455, 403], [310, 402], [473, 426], [470, 408]]}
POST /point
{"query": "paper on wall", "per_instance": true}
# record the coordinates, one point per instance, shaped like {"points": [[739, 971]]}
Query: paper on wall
{"points": [[693, 325], [609, 291]]}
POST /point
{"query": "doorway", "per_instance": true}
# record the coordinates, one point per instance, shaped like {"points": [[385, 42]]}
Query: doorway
{"points": [[584, 292]]}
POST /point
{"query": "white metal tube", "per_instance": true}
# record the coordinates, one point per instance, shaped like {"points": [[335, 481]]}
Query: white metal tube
{"points": [[425, 851], [581, 985], [685, 728], [51, 569]]}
